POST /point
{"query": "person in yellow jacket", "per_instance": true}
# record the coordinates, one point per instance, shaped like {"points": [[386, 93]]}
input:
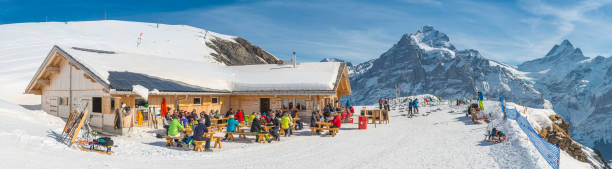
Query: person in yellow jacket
{"points": [[286, 124], [250, 118]]}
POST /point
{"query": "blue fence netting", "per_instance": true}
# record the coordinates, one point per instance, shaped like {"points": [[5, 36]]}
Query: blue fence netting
{"points": [[549, 151]]}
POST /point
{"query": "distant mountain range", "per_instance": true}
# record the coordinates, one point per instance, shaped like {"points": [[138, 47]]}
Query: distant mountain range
{"points": [[577, 87]]}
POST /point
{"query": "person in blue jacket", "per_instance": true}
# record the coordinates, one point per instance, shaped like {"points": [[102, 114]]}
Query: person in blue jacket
{"points": [[415, 103], [231, 125]]}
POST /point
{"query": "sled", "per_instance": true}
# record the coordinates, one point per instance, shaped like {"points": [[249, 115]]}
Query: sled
{"points": [[494, 139], [478, 116], [91, 147]]}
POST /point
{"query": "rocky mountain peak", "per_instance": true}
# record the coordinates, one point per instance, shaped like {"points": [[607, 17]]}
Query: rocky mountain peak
{"points": [[565, 50], [349, 64], [433, 38]]}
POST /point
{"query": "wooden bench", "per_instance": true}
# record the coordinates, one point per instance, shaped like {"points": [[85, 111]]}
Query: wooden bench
{"points": [[385, 116], [261, 137], [230, 135], [324, 126], [170, 140], [198, 145], [217, 141], [334, 131]]}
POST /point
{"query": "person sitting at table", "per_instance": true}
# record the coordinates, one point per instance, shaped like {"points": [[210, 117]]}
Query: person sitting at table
{"points": [[231, 125], [316, 117], [250, 118], [184, 121], [336, 122], [198, 134], [174, 128], [256, 126], [277, 125], [298, 123], [326, 111], [228, 113], [239, 116], [192, 121], [286, 123]]}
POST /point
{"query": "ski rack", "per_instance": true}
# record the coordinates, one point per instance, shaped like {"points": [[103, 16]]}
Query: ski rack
{"points": [[73, 125]]}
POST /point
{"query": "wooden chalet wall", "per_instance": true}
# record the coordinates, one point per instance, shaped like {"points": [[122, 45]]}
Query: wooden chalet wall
{"points": [[55, 90]]}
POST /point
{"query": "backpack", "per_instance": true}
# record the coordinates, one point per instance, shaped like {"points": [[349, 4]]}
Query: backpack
{"points": [[104, 141]]}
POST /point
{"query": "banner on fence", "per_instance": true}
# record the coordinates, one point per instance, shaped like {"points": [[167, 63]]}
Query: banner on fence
{"points": [[549, 152]]}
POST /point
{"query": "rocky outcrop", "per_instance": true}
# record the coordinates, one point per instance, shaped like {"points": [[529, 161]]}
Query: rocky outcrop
{"points": [[559, 134], [240, 52]]}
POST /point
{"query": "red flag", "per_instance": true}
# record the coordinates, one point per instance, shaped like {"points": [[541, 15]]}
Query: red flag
{"points": [[164, 108]]}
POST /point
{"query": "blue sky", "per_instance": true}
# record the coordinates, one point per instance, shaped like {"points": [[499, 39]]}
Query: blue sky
{"points": [[507, 31]]}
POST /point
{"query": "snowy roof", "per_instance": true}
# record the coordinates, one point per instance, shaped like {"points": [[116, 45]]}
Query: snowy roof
{"points": [[121, 71], [305, 76]]}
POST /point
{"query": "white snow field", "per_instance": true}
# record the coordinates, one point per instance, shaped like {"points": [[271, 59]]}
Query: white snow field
{"points": [[439, 137]]}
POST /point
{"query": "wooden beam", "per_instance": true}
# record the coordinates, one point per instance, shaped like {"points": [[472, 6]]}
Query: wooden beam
{"points": [[90, 78], [45, 82], [52, 69], [38, 92]]}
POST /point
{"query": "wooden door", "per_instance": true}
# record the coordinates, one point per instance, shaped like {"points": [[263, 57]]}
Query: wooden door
{"points": [[264, 105]]}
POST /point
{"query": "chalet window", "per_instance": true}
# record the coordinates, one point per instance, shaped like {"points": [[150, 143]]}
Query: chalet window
{"points": [[197, 101], [215, 100], [96, 104], [112, 104], [140, 102]]}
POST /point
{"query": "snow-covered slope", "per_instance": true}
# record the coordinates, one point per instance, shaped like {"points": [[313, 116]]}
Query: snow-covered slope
{"points": [[25, 45], [439, 137]]}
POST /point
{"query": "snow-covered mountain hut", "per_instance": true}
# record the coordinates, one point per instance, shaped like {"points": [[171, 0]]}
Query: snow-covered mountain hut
{"points": [[105, 80]]}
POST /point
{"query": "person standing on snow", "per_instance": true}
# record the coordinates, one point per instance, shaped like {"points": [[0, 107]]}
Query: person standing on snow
{"points": [[410, 105], [380, 104], [480, 100], [415, 103]]}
